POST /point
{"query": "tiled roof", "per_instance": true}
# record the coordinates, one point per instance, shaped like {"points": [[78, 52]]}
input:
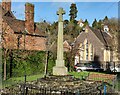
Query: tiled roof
{"points": [[18, 26], [104, 37], [66, 44], [6, 13]]}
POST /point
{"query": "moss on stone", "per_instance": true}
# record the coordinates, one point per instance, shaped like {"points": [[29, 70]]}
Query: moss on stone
{"points": [[29, 4]]}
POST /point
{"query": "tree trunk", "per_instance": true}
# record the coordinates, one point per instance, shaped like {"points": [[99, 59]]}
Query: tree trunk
{"points": [[46, 64], [5, 58], [11, 61]]}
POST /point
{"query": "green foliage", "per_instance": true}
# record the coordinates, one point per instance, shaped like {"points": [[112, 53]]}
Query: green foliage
{"points": [[32, 63], [54, 28], [66, 22], [99, 25], [106, 20], [51, 62], [29, 4], [86, 23], [43, 25], [26, 62], [72, 29], [73, 12], [94, 24], [118, 43], [67, 60]]}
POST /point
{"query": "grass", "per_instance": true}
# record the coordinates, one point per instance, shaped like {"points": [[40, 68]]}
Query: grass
{"points": [[83, 74], [28, 78], [118, 86], [15, 80], [79, 74]]}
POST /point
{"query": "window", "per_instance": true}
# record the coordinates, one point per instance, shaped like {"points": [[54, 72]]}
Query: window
{"points": [[87, 50], [91, 54], [81, 51]]}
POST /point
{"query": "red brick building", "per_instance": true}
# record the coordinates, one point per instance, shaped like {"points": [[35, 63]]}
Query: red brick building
{"points": [[19, 34]]}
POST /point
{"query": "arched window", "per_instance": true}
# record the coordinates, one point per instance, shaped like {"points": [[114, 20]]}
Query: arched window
{"points": [[81, 51], [87, 49], [91, 53]]}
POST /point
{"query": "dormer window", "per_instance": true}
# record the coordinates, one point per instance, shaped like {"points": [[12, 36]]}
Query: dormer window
{"points": [[106, 29], [86, 30], [81, 23]]}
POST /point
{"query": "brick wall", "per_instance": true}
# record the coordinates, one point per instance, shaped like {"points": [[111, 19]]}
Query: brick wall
{"points": [[31, 42]]}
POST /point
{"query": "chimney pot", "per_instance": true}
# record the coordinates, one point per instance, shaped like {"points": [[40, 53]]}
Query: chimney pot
{"points": [[6, 4]]}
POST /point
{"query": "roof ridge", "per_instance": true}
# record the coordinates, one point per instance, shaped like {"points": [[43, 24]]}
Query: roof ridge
{"points": [[94, 32], [104, 38]]}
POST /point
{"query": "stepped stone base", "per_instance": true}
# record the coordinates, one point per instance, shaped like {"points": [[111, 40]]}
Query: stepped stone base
{"points": [[60, 70]]}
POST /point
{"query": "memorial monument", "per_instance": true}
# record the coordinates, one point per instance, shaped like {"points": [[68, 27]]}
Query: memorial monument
{"points": [[60, 68], [59, 83]]}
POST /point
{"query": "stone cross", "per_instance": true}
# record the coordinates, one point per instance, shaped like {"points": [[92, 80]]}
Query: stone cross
{"points": [[60, 13], [60, 68]]}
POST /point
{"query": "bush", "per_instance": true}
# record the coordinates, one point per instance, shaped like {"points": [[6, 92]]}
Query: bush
{"points": [[25, 62]]}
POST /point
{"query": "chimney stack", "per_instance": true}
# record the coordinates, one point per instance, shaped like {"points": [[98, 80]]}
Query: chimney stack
{"points": [[29, 18], [6, 4]]}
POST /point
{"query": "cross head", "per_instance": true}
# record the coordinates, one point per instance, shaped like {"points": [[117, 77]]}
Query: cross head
{"points": [[60, 12]]}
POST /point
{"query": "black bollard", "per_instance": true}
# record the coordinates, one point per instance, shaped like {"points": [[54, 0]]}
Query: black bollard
{"points": [[25, 78], [24, 91]]}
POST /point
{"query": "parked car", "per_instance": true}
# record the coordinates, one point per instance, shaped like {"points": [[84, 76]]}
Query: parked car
{"points": [[86, 67], [81, 67], [97, 68], [115, 69]]}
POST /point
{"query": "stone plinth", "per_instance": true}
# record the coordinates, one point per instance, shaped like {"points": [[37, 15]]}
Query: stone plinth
{"points": [[59, 70]]}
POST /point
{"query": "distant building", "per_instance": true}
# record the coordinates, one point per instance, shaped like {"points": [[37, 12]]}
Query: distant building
{"points": [[19, 34], [93, 45], [66, 46], [106, 29], [80, 23]]}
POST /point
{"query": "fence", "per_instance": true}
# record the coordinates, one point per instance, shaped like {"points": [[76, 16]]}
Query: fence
{"points": [[105, 82], [28, 89], [111, 80]]}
